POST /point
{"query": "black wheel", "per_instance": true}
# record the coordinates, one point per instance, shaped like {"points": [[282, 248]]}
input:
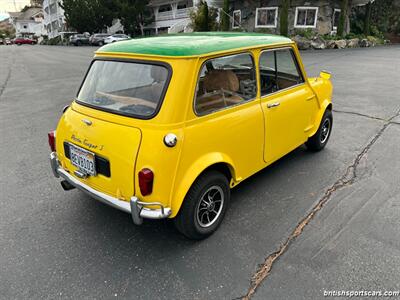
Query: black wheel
{"points": [[319, 140], [100, 44], [78, 43], [204, 206]]}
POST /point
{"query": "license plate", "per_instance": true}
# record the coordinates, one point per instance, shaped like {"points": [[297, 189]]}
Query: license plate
{"points": [[82, 159]]}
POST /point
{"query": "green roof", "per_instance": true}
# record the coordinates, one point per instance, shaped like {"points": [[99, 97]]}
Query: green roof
{"points": [[193, 44]]}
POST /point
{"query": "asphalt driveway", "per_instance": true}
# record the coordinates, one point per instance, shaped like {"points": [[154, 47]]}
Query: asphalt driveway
{"points": [[307, 224]]}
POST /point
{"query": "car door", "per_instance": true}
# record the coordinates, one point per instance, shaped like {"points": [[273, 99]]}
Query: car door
{"points": [[287, 102], [226, 121]]}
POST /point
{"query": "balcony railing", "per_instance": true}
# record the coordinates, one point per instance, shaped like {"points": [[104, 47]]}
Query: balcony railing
{"points": [[165, 15], [169, 15], [182, 13]]}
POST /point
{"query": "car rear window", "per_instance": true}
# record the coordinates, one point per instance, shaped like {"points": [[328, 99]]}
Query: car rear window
{"points": [[134, 89]]}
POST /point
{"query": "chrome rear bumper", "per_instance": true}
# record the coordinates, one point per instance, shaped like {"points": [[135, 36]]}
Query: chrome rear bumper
{"points": [[138, 209]]}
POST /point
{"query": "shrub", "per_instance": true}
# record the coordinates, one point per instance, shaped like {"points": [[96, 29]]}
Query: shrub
{"points": [[376, 33], [265, 30], [204, 18], [352, 35], [307, 33], [54, 41]]}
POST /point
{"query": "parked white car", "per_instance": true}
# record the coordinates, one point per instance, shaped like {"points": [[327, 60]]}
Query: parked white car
{"points": [[116, 37]]}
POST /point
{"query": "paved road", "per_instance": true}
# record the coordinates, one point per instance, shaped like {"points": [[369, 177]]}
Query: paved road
{"points": [[57, 244]]}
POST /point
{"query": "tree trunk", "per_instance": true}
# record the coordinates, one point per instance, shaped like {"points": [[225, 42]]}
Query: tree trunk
{"points": [[225, 16], [141, 28], [343, 17], [284, 18], [367, 20]]}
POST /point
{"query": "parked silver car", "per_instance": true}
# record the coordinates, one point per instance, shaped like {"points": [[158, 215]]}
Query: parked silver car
{"points": [[116, 38], [97, 39]]}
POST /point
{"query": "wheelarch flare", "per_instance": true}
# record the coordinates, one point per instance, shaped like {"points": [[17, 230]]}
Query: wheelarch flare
{"points": [[225, 168], [221, 167]]}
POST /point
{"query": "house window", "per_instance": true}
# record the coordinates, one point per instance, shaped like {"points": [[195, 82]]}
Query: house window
{"points": [[182, 5], [237, 18], [335, 19], [165, 8], [266, 17], [306, 17]]}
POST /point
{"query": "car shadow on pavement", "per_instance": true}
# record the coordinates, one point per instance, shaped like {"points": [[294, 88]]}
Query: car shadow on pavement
{"points": [[118, 226]]}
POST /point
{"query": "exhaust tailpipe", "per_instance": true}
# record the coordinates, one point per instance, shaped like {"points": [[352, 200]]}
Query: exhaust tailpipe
{"points": [[66, 185]]}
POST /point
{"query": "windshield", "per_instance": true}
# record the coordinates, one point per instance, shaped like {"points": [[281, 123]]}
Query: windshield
{"points": [[129, 88]]}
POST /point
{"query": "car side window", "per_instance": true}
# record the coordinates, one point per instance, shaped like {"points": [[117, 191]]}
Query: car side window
{"points": [[278, 70], [224, 82]]}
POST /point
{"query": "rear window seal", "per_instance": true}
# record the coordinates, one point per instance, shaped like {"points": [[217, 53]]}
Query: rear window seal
{"points": [[129, 60]]}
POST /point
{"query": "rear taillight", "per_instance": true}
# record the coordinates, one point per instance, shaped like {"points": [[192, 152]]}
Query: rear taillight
{"points": [[52, 140], [146, 177]]}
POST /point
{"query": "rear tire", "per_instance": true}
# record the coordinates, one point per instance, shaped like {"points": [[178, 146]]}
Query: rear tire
{"points": [[100, 44], [204, 206], [319, 140]]}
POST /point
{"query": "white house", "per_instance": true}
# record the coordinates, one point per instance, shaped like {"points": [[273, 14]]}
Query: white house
{"points": [[28, 23], [173, 16], [54, 19]]}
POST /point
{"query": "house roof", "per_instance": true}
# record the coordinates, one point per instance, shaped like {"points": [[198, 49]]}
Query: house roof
{"points": [[193, 44], [27, 14]]}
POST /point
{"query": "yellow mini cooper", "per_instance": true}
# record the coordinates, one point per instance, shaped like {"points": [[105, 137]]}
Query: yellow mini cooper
{"points": [[164, 127]]}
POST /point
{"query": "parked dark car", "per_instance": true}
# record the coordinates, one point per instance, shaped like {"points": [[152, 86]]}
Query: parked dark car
{"points": [[97, 39], [21, 40], [79, 39]]}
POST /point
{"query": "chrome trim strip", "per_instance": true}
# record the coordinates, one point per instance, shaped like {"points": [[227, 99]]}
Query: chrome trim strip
{"points": [[136, 208], [114, 202]]}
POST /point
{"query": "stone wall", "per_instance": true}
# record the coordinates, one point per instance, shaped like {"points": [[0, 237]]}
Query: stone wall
{"points": [[324, 19]]}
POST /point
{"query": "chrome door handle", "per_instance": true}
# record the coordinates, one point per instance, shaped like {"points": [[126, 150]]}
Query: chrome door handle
{"points": [[271, 105]]}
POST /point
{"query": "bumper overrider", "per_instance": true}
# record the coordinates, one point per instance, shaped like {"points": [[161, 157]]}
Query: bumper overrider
{"points": [[138, 209]]}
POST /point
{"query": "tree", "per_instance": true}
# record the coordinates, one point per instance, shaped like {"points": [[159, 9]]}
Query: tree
{"points": [[134, 15], [367, 19], [204, 18], [343, 18], [88, 15], [225, 17], [284, 17]]}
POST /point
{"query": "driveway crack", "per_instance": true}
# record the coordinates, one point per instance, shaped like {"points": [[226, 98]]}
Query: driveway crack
{"points": [[348, 178], [3, 87], [360, 115]]}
